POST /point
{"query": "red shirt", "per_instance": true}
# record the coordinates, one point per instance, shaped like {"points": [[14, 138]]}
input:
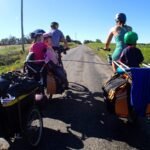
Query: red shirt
{"points": [[39, 50]]}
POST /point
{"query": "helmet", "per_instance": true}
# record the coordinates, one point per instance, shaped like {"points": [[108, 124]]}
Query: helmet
{"points": [[37, 32], [120, 17], [130, 38], [54, 25], [46, 35]]}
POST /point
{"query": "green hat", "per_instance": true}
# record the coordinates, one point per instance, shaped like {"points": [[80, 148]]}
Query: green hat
{"points": [[130, 38]]}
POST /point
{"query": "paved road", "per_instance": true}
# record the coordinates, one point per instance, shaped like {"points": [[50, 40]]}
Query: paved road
{"points": [[81, 121]]}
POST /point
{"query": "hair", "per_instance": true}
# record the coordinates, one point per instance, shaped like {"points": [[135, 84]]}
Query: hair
{"points": [[45, 38], [54, 25], [36, 39], [121, 22]]}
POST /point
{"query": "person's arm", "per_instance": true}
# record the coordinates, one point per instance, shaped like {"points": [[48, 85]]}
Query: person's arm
{"points": [[62, 39], [123, 57], [140, 56], [65, 42], [109, 38]]}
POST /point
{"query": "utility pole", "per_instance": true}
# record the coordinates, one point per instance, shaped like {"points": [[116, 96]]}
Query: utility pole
{"points": [[22, 32]]}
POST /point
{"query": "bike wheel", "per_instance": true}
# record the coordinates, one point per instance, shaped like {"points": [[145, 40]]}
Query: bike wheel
{"points": [[34, 127], [77, 87]]}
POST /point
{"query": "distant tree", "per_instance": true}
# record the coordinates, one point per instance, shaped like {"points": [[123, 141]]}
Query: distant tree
{"points": [[5, 41], [88, 41], [98, 41], [76, 41], [68, 38], [27, 40], [12, 40]]}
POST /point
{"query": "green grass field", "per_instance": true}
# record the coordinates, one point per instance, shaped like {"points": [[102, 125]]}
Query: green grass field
{"points": [[145, 48], [12, 57]]}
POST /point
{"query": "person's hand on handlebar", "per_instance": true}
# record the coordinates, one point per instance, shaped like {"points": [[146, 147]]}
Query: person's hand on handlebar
{"points": [[65, 49], [106, 49]]}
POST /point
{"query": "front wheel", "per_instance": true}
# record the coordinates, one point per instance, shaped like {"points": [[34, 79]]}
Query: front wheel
{"points": [[34, 127]]}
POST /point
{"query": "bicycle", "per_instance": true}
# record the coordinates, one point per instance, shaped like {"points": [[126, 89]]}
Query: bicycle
{"points": [[44, 74], [19, 112]]}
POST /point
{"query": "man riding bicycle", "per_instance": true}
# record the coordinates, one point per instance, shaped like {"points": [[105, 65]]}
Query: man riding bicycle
{"points": [[57, 36]]}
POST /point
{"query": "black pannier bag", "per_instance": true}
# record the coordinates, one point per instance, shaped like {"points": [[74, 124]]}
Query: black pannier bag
{"points": [[20, 94], [116, 93]]}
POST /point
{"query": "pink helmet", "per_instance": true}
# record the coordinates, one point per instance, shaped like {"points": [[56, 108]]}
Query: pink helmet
{"points": [[46, 35]]}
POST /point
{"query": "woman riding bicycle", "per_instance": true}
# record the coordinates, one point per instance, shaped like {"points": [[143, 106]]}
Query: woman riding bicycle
{"points": [[118, 31]]}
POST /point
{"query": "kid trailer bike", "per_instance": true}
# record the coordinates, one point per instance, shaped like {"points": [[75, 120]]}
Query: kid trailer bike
{"points": [[120, 92], [18, 111]]}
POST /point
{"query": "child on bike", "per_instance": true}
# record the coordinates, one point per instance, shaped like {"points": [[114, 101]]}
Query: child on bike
{"points": [[51, 58], [37, 53], [131, 55], [38, 47]]}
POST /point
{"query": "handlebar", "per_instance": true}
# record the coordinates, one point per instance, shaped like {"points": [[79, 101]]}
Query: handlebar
{"points": [[105, 49], [14, 76], [63, 50]]}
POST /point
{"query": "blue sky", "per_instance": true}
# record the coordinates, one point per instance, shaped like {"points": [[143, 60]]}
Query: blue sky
{"points": [[81, 19]]}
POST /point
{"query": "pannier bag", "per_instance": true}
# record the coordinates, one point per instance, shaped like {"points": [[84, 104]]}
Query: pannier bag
{"points": [[12, 87], [16, 97], [116, 95]]}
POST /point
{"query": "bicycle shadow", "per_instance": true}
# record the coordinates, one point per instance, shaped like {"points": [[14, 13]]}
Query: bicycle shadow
{"points": [[57, 140], [86, 114], [51, 139]]}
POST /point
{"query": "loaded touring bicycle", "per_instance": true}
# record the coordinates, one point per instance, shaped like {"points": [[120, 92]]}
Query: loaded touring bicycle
{"points": [[126, 94], [19, 113]]}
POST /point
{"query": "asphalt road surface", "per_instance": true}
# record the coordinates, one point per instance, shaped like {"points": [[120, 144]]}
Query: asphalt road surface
{"points": [[80, 119]]}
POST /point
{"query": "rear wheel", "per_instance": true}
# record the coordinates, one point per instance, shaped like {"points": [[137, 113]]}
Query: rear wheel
{"points": [[34, 127]]}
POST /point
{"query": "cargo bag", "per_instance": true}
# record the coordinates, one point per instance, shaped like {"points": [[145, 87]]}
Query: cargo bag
{"points": [[116, 93]]}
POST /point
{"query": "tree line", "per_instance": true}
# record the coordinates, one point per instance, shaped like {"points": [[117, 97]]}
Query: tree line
{"points": [[12, 40]]}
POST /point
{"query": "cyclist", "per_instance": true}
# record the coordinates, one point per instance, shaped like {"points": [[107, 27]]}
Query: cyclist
{"points": [[57, 36], [50, 55], [118, 31], [51, 58], [38, 47], [37, 52], [131, 56]]}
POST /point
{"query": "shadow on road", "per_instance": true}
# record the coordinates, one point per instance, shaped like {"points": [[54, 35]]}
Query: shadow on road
{"points": [[85, 113], [56, 140], [88, 116], [51, 139]]}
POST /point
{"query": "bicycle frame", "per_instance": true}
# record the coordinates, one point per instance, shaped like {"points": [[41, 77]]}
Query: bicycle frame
{"points": [[35, 71]]}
